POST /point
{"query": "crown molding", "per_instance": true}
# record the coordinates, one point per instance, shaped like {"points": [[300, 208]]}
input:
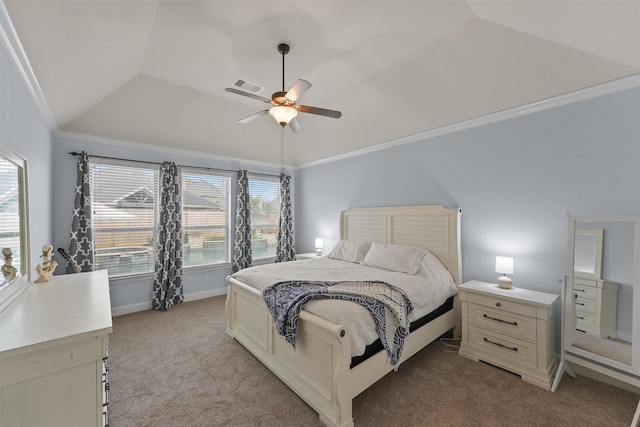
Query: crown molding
{"points": [[12, 44], [84, 138], [607, 88]]}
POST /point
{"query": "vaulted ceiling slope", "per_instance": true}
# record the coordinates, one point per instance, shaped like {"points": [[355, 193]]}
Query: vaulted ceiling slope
{"points": [[154, 71]]}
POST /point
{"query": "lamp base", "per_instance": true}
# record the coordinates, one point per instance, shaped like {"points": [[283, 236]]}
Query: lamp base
{"points": [[319, 252], [504, 282]]}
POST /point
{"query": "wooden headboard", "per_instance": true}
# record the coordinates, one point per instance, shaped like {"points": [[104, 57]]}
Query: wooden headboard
{"points": [[434, 228]]}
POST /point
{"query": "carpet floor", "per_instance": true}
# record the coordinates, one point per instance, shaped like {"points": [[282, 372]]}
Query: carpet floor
{"points": [[179, 368]]}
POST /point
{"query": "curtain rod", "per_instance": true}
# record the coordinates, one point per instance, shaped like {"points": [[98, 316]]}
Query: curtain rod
{"points": [[75, 153]]}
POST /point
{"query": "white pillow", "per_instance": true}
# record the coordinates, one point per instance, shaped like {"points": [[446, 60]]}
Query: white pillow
{"points": [[433, 269], [400, 258], [350, 250]]}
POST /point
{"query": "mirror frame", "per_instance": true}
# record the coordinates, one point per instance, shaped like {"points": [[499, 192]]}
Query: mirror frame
{"points": [[11, 291], [569, 309]]}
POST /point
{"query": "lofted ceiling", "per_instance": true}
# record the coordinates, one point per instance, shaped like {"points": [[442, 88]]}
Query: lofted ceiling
{"points": [[154, 71]]}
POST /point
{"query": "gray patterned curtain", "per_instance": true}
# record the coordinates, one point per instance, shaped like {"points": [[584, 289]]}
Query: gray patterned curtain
{"points": [[167, 284], [81, 241], [285, 250], [242, 236]]}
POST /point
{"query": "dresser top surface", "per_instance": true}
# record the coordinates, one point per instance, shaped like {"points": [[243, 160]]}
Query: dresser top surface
{"points": [[70, 305], [514, 294]]}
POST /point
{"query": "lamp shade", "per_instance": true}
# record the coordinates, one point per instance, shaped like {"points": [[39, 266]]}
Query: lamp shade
{"points": [[504, 265], [319, 243], [282, 114]]}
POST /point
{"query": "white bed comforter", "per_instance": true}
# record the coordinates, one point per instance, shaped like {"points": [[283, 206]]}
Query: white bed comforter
{"points": [[427, 290]]}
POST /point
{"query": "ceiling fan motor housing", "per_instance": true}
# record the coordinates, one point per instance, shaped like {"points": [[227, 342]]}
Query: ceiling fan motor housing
{"points": [[280, 98]]}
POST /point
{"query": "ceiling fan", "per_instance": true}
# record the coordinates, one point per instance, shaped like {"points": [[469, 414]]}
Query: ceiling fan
{"points": [[285, 109]]}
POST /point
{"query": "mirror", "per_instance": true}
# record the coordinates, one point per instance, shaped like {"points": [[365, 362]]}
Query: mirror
{"points": [[587, 259], [14, 226], [600, 290]]}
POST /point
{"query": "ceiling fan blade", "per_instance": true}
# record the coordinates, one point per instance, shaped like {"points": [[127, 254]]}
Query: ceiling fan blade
{"points": [[253, 116], [250, 95], [294, 124], [319, 111], [296, 91]]}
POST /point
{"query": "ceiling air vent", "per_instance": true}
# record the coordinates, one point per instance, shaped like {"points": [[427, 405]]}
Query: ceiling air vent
{"points": [[248, 86]]}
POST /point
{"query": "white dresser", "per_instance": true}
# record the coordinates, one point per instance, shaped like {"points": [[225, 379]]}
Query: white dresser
{"points": [[510, 328], [53, 346], [596, 303]]}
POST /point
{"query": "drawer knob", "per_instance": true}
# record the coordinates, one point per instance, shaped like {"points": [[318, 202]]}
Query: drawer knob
{"points": [[498, 304]]}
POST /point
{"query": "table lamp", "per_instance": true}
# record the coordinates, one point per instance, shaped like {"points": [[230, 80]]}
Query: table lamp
{"points": [[504, 265]]}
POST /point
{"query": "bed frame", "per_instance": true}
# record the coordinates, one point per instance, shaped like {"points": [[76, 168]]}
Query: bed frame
{"points": [[319, 369]]}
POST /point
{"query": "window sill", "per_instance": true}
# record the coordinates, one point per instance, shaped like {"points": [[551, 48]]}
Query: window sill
{"points": [[150, 275]]}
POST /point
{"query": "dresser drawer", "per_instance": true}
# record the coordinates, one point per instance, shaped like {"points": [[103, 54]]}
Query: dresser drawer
{"points": [[585, 306], [500, 304], [585, 319], [502, 321], [502, 348], [585, 292]]}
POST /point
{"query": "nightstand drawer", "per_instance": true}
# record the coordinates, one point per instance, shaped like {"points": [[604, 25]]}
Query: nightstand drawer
{"points": [[502, 348], [503, 321], [586, 292], [500, 304]]}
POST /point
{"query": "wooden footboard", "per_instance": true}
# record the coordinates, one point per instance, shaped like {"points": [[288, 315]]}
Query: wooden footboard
{"points": [[319, 369]]}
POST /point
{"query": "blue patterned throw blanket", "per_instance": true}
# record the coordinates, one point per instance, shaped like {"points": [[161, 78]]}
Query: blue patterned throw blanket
{"points": [[389, 306]]}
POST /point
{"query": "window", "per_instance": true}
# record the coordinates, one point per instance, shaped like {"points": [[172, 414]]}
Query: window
{"points": [[265, 210], [204, 218], [125, 212], [10, 216], [124, 217]]}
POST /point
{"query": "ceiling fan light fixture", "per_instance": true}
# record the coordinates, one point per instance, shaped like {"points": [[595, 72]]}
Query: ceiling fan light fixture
{"points": [[283, 114]]}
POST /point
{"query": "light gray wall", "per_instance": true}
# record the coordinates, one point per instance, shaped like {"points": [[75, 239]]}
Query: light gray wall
{"points": [[517, 182], [133, 294], [24, 130]]}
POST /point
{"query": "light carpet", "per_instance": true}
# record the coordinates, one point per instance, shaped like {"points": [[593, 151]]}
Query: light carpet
{"points": [[179, 368]]}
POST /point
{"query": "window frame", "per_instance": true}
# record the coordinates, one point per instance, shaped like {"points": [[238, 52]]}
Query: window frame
{"points": [[228, 218], [276, 180]]}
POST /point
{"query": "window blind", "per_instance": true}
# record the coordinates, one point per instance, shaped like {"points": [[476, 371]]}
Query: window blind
{"points": [[10, 211], [124, 202]]}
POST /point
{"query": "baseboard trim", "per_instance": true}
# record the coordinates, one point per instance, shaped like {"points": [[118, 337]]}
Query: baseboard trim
{"points": [[146, 305]]}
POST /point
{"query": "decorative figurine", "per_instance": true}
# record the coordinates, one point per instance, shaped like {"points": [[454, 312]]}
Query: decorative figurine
{"points": [[45, 271], [8, 271]]}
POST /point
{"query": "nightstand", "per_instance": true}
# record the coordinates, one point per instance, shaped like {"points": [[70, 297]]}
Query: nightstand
{"points": [[510, 328], [309, 255]]}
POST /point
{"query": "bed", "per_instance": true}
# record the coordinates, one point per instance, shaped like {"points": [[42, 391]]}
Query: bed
{"points": [[321, 369]]}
